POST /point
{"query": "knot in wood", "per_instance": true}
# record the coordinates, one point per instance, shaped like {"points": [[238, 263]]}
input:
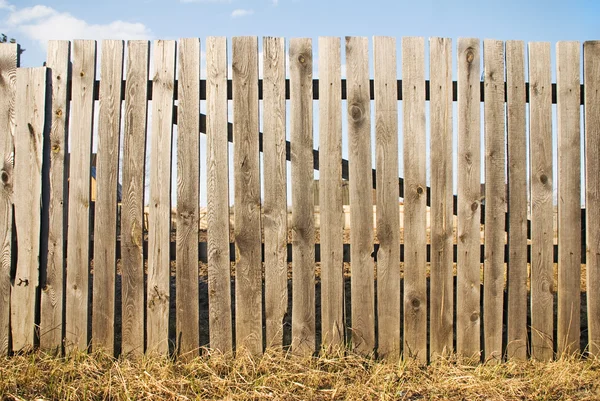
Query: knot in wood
{"points": [[474, 316], [470, 55]]}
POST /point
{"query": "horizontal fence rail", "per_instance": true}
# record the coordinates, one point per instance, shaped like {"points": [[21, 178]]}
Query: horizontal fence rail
{"points": [[102, 250]]}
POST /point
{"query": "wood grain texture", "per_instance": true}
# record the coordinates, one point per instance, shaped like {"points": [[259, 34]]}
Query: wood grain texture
{"points": [[495, 198], [30, 106], [248, 267], [159, 231], [8, 84], [542, 231], [591, 71], [217, 164], [468, 319], [388, 212], [275, 189], [78, 252], [188, 193], [415, 197], [303, 228], [517, 201], [359, 139], [52, 295], [440, 115], [331, 209], [107, 175], [132, 206], [569, 196]]}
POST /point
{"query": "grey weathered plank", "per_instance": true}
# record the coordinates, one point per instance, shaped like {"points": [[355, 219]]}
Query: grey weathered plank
{"points": [[517, 200], [188, 192], [569, 196], [219, 267], [303, 231], [591, 68], [359, 139], [542, 232], [8, 83], [78, 252], [275, 189], [52, 295], [248, 268], [30, 104], [415, 194], [331, 209], [159, 231], [388, 212], [442, 292], [132, 206], [495, 198], [468, 319], [107, 171]]}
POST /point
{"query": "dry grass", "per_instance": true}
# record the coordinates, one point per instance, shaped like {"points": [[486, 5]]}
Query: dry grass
{"points": [[280, 376]]}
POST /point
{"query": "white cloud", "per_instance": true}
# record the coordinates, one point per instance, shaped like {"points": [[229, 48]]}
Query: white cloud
{"points": [[275, 2], [4, 5], [240, 12], [42, 23], [205, 1]]}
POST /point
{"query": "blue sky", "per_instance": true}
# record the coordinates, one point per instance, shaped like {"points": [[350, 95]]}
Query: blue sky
{"points": [[33, 22]]}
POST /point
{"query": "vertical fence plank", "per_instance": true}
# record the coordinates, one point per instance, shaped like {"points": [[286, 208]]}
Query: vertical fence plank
{"points": [[107, 172], [159, 231], [78, 253], [8, 81], [495, 198], [275, 189], [468, 319], [442, 287], [542, 231], [219, 267], [52, 296], [359, 139], [30, 107], [303, 235], [248, 267], [569, 196], [591, 67], [132, 207], [388, 212], [331, 209], [415, 196], [188, 192], [517, 201]]}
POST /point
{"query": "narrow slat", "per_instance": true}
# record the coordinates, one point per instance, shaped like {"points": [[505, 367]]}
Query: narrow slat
{"points": [[275, 190], [517, 201], [359, 139], [592, 195], [132, 207], [248, 266], [78, 252], [415, 194], [219, 268], [303, 230], [8, 83], [159, 230], [442, 292], [52, 296], [331, 209], [468, 319], [495, 198], [107, 175], [388, 212], [30, 105], [569, 196], [542, 232], [188, 192]]}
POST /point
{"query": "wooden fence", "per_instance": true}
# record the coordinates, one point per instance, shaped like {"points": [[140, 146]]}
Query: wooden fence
{"points": [[412, 289]]}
